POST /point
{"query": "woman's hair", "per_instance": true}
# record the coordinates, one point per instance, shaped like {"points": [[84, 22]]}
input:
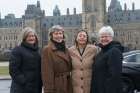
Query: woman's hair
{"points": [[55, 28], [25, 33], [81, 30], [106, 29]]}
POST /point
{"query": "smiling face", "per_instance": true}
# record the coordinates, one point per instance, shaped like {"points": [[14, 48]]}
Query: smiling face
{"points": [[82, 38], [31, 38], [58, 36], [105, 38]]}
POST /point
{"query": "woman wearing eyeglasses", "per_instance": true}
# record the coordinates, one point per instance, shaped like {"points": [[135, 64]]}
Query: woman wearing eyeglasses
{"points": [[107, 66]]}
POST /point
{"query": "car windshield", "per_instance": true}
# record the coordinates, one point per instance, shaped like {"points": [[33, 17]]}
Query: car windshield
{"points": [[132, 58]]}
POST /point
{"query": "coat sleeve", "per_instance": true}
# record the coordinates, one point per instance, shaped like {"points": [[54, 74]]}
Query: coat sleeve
{"points": [[47, 72], [15, 64], [115, 70]]}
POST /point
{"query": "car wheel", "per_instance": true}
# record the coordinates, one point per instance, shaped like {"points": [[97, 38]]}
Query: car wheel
{"points": [[128, 86]]}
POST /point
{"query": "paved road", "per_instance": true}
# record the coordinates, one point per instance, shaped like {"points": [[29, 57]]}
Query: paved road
{"points": [[5, 86]]}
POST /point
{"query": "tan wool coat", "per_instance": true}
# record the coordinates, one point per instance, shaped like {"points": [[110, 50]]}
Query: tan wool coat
{"points": [[82, 68], [56, 69]]}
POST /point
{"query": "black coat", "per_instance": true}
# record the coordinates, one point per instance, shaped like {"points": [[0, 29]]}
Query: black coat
{"points": [[25, 69], [107, 68]]}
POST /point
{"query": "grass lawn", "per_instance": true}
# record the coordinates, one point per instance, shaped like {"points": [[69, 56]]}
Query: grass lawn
{"points": [[4, 70]]}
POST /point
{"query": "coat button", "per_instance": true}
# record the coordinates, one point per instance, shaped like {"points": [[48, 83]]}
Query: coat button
{"points": [[81, 78], [82, 87], [81, 69]]}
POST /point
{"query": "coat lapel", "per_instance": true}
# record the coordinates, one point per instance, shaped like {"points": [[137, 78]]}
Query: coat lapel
{"points": [[65, 56], [75, 53], [87, 51]]}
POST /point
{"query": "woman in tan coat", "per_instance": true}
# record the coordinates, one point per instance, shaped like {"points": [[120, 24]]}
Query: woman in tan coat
{"points": [[56, 64], [82, 55]]}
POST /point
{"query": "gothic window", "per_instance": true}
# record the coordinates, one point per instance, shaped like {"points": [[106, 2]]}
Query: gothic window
{"points": [[10, 24], [10, 46], [15, 37], [6, 45], [108, 21], [6, 24], [15, 24], [80, 22], [20, 23], [5, 38], [44, 25], [9, 37], [95, 9], [70, 23]]}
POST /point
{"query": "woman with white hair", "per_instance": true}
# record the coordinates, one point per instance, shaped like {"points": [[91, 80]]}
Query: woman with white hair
{"points": [[25, 64], [107, 68]]}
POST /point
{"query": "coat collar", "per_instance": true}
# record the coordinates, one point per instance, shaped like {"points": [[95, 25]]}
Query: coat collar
{"points": [[76, 52], [64, 55], [52, 46]]}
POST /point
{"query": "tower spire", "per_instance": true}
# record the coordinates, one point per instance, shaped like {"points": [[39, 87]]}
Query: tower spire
{"points": [[115, 5], [56, 11], [38, 4]]}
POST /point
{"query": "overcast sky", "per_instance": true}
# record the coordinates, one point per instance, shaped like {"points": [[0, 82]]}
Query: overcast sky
{"points": [[18, 7]]}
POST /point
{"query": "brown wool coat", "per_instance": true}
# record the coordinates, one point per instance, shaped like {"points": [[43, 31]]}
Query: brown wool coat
{"points": [[82, 68], [56, 70]]}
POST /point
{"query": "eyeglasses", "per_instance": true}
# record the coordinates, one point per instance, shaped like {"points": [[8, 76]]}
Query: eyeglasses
{"points": [[105, 36]]}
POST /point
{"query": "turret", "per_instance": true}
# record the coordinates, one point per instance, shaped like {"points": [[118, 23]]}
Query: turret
{"points": [[125, 7], [133, 6], [115, 6], [56, 11], [68, 12], [38, 4], [74, 11]]}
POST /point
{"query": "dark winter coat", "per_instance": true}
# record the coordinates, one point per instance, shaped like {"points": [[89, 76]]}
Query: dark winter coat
{"points": [[56, 69], [25, 69], [107, 68]]}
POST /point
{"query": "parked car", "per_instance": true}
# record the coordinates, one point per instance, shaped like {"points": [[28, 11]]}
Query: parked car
{"points": [[131, 71]]}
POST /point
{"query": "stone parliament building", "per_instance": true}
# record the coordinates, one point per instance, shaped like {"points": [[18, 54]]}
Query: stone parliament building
{"points": [[125, 22]]}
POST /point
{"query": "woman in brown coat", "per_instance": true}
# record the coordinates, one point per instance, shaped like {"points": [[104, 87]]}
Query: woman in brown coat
{"points": [[82, 55], [56, 64]]}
